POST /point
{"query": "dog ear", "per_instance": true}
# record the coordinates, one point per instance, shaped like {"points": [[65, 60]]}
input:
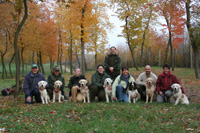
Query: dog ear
{"points": [[86, 82], [39, 83], [172, 86], [153, 81], [179, 85], [79, 81], [135, 85]]}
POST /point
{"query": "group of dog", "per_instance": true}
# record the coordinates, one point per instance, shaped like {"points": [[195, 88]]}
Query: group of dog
{"points": [[133, 94]]}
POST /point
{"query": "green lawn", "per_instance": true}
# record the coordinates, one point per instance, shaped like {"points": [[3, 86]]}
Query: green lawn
{"points": [[15, 116]]}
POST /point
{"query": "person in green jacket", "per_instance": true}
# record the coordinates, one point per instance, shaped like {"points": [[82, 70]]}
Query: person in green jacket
{"points": [[112, 63], [120, 85], [97, 86], [56, 75]]}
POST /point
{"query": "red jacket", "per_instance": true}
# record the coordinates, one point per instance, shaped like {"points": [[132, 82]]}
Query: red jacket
{"points": [[165, 82]]}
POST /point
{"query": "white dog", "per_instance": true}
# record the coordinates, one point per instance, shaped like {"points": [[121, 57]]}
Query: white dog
{"points": [[132, 91], [177, 94], [84, 92], [43, 93], [108, 93], [57, 95], [149, 89]]}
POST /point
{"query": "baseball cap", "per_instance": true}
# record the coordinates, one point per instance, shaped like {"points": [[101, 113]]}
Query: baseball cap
{"points": [[56, 68], [34, 65]]}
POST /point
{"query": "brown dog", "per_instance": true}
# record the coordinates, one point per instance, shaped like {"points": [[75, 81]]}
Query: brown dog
{"points": [[149, 89]]}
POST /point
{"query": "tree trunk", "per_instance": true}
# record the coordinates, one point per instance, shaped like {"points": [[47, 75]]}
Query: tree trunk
{"points": [[128, 41], [10, 70], [33, 55], [191, 59], [38, 62], [22, 59], [61, 51], [65, 65], [194, 46], [144, 35], [77, 59], [86, 68], [41, 64], [17, 58], [82, 43], [71, 40]]}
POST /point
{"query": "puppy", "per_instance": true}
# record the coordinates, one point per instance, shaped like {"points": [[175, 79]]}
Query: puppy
{"points": [[177, 94], [132, 90], [149, 89], [108, 93], [44, 96], [57, 95], [84, 92]]}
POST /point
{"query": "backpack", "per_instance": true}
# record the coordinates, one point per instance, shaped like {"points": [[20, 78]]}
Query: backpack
{"points": [[6, 92]]}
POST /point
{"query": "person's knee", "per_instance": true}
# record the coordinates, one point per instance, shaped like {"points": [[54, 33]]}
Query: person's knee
{"points": [[101, 95], [79, 97], [168, 93], [74, 89], [159, 99], [119, 87]]}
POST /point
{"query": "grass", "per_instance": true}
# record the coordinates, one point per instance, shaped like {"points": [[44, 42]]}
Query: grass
{"points": [[15, 116]]}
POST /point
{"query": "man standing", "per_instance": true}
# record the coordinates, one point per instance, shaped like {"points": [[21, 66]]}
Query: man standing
{"points": [[30, 85], [56, 75], [141, 81], [74, 86], [97, 85], [112, 63]]}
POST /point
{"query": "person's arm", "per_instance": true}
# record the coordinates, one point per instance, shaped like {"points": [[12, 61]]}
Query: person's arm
{"points": [[94, 81], [158, 83], [26, 87], [50, 82], [116, 82], [106, 66], [118, 65], [175, 80], [139, 80], [63, 85], [70, 85]]}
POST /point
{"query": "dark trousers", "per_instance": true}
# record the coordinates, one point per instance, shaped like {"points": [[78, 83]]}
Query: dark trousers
{"points": [[113, 74], [36, 94], [97, 91], [142, 91]]}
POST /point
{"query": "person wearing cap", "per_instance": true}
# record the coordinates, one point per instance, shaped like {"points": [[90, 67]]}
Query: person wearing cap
{"points": [[56, 75], [120, 86], [74, 86], [164, 83], [97, 86], [30, 85], [141, 81], [112, 63]]}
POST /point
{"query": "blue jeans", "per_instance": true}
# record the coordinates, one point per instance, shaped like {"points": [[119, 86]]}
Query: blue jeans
{"points": [[122, 96], [36, 94]]}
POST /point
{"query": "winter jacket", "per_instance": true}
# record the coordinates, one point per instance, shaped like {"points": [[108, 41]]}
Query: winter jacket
{"points": [[112, 60], [75, 81], [120, 80], [52, 78], [141, 80], [31, 81], [165, 82], [98, 79]]}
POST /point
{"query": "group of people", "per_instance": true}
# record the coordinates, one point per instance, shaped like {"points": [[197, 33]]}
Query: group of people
{"points": [[110, 69]]}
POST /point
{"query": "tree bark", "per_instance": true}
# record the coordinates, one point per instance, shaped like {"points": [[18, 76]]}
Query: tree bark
{"points": [[191, 59], [144, 35], [128, 41], [17, 58], [194, 46], [71, 40], [60, 50], [10, 70], [33, 55], [41, 64]]}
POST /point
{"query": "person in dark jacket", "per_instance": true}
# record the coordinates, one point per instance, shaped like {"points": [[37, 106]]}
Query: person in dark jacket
{"points": [[74, 86], [97, 86], [56, 75], [30, 85], [112, 63], [164, 83]]}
